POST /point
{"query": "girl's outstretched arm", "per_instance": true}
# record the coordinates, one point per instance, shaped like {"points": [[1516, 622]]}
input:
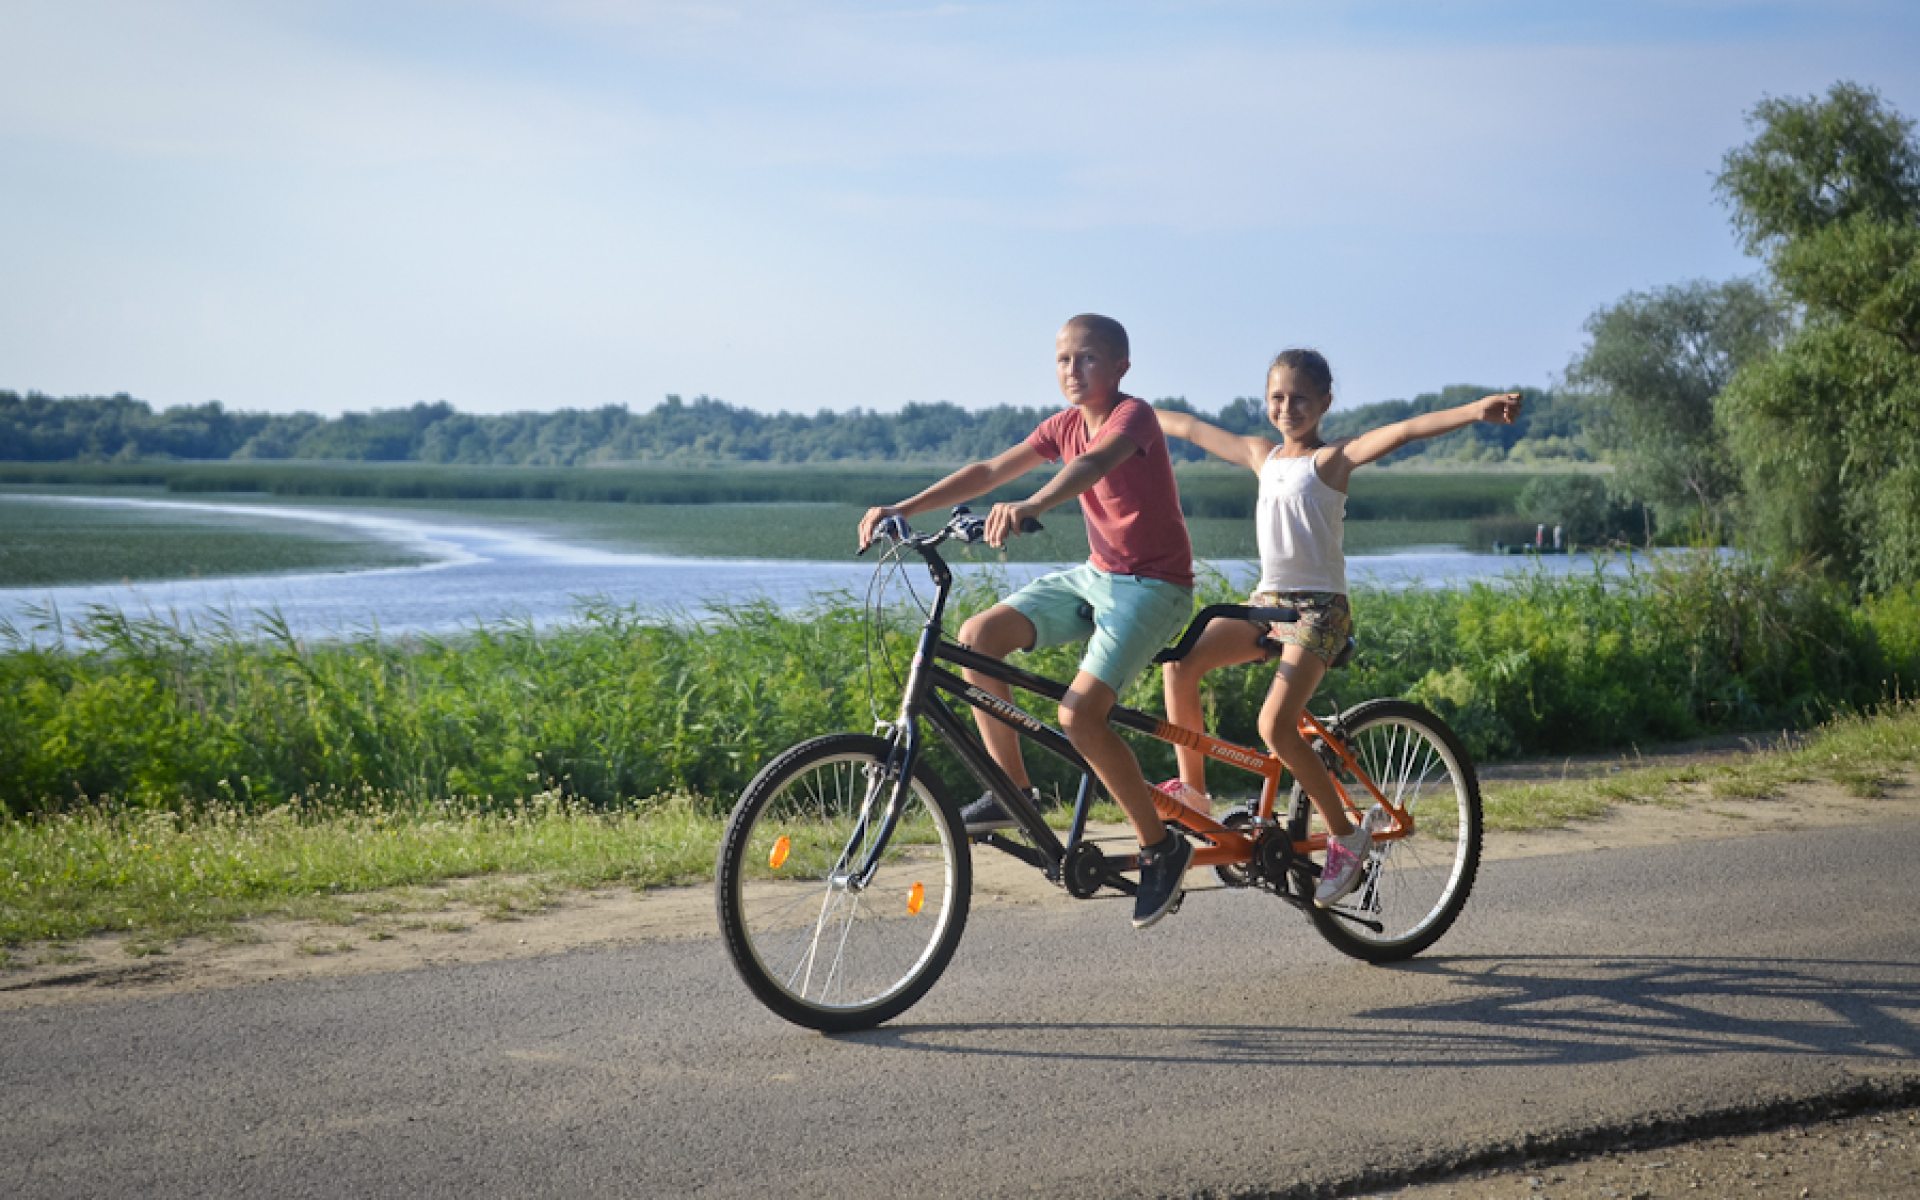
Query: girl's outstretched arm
{"points": [[1500, 409], [1248, 452]]}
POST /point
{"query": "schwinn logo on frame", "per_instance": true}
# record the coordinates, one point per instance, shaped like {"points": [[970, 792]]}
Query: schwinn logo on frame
{"points": [[994, 703]]}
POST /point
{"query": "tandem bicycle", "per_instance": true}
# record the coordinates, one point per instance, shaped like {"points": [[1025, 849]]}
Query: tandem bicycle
{"points": [[845, 872]]}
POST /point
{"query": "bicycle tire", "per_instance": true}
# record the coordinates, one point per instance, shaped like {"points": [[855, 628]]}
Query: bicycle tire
{"points": [[1415, 886], [813, 949]]}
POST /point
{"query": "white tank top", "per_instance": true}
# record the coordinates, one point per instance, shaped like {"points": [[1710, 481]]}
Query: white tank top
{"points": [[1301, 524]]}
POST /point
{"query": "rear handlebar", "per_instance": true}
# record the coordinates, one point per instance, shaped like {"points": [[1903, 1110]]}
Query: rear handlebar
{"points": [[1213, 612]]}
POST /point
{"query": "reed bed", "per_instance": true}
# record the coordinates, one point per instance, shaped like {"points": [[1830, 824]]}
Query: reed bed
{"points": [[48, 544], [1206, 490], [53, 544], [614, 709]]}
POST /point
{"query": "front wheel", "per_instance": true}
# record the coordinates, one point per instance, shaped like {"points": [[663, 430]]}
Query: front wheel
{"points": [[1415, 886], [823, 932]]}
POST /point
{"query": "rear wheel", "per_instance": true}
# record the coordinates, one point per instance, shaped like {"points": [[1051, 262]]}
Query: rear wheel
{"points": [[819, 941], [1415, 886]]}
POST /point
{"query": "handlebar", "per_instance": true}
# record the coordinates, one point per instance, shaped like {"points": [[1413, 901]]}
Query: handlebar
{"points": [[1212, 612], [963, 526]]}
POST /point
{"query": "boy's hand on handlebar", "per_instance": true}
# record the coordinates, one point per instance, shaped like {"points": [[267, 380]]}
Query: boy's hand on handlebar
{"points": [[871, 522], [1005, 520], [1503, 409]]}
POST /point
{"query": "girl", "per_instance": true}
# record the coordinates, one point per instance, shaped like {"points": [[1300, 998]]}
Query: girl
{"points": [[1301, 515]]}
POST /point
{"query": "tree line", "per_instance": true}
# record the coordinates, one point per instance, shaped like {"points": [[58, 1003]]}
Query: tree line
{"points": [[120, 428]]}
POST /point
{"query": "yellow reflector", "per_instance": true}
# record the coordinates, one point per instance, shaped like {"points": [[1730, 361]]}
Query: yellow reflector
{"points": [[781, 849], [916, 899]]}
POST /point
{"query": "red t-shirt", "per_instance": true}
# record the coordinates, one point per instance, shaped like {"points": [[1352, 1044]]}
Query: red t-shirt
{"points": [[1134, 526]]}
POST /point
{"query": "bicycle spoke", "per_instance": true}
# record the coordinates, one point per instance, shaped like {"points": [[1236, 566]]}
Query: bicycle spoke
{"points": [[835, 907], [1415, 884]]}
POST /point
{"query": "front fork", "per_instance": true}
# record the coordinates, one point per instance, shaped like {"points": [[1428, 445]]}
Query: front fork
{"points": [[903, 742], [861, 855]]}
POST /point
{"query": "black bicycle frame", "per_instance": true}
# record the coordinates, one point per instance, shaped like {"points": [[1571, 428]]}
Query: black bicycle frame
{"points": [[927, 677]]}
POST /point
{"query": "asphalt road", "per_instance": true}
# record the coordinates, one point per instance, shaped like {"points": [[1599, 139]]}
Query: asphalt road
{"points": [[1226, 1052]]}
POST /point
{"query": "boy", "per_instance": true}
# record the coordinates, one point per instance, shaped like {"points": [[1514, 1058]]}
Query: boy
{"points": [[1129, 599]]}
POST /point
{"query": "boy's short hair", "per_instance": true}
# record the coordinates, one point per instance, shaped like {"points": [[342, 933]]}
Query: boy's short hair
{"points": [[1106, 333]]}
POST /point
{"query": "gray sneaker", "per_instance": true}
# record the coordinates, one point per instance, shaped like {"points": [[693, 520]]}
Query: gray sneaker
{"points": [[1162, 866], [987, 814]]}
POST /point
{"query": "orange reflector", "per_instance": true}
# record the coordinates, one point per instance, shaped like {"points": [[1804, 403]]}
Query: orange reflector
{"points": [[781, 849], [916, 899]]}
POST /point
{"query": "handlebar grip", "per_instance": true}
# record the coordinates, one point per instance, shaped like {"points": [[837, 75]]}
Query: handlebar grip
{"points": [[894, 528], [970, 528]]}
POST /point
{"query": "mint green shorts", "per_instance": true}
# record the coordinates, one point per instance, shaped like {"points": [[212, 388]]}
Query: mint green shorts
{"points": [[1126, 619]]}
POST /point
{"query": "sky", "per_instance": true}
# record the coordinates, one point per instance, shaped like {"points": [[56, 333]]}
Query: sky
{"points": [[534, 204]]}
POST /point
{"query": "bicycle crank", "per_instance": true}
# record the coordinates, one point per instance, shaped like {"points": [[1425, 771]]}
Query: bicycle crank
{"points": [[1085, 871]]}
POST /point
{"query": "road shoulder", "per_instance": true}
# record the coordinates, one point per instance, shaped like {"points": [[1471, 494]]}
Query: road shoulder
{"points": [[445, 927]]}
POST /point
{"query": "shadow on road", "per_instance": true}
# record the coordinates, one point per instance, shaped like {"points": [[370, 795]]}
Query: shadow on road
{"points": [[1515, 1010]]}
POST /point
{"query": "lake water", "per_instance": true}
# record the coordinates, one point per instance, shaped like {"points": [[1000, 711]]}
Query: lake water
{"points": [[480, 575]]}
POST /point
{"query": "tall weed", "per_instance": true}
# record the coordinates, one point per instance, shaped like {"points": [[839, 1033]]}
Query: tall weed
{"points": [[614, 710]]}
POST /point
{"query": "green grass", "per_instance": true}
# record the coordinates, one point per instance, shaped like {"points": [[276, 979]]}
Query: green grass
{"points": [[615, 704], [824, 532], [48, 543], [167, 875], [158, 876], [1210, 489], [1865, 755], [732, 482], [43, 544], [817, 531]]}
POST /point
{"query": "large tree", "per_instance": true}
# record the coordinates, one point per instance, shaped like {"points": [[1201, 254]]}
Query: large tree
{"points": [[1653, 363], [1826, 433]]}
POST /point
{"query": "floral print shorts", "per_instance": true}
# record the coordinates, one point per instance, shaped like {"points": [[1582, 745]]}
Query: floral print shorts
{"points": [[1325, 624]]}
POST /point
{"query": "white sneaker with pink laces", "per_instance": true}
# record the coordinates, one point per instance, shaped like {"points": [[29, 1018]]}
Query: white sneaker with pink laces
{"points": [[1179, 790], [1341, 872]]}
